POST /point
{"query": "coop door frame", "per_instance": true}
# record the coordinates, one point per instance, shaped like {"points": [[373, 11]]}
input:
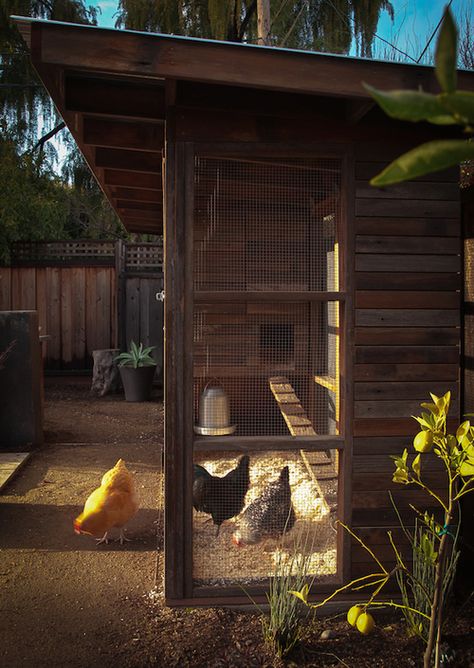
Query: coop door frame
{"points": [[180, 298]]}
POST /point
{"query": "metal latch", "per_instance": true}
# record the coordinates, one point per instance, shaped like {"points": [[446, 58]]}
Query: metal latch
{"points": [[160, 296]]}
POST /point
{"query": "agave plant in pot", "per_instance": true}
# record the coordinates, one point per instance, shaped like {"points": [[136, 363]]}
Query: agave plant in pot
{"points": [[137, 369]]}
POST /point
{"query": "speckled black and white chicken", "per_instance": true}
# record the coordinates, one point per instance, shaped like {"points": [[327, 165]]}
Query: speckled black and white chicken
{"points": [[270, 515], [221, 497]]}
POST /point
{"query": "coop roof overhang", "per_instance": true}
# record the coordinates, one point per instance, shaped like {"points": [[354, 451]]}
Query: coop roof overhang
{"points": [[109, 86]]}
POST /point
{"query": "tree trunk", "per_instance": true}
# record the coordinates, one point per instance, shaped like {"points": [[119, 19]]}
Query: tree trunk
{"points": [[105, 377], [263, 21], [434, 634]]}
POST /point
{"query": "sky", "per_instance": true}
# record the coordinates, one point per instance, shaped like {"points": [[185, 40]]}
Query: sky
{"points": [[414, 22]]}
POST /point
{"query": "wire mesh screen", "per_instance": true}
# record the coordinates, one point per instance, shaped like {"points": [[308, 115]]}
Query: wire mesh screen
{"points": [[266, 224], [260, 512], [272, 367]]}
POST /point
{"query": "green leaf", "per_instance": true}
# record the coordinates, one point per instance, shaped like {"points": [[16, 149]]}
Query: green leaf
{"points": [[434, 398], [443, 120], [451, 442], [430, 157], [442, 403], [431, 407], [468, 447], [422, 421], [461, 103], [467, 468], [463, 430], [407, 105], [302, 595], [400, 476], [416, 465], [446, 53]]}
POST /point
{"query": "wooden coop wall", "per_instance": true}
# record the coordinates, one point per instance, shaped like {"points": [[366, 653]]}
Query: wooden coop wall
{"points": [[399, 294], [407, 334]]}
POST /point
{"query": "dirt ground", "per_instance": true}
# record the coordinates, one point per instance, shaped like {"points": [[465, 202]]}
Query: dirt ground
{"points": [[66, 602]]}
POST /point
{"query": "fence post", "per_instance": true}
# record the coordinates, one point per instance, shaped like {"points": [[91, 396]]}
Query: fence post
{"points": [[120, 267]]}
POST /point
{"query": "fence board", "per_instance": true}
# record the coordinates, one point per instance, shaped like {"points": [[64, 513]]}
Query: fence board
{"points": [[5, 289], [103, 308], [66, 317], [78, 335], [42, 307], [144, 309], [113, 287], [132, 311], [92, 339], [53, 327]]}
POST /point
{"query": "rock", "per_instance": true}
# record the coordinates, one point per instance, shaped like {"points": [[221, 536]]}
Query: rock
{"points": [[328, 634]]}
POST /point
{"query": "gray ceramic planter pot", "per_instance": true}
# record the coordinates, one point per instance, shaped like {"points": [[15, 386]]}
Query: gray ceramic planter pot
{"points": [[137, 383]]}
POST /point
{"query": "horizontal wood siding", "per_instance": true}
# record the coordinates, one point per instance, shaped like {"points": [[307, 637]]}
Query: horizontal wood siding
{"points": [[407, 338]]}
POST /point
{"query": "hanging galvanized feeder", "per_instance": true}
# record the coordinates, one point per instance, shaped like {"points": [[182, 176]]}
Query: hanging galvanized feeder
{"points": [[214, 412]]}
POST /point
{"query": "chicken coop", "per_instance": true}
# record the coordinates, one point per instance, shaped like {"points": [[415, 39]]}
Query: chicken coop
{"points": [[307, 314]]}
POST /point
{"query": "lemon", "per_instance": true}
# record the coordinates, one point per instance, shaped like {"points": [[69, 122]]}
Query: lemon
{"points": [[353, 614], [423, 441], [365, 623]]}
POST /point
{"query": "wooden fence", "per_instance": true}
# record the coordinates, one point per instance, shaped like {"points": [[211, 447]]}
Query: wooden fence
{"points": [[89, 295]]}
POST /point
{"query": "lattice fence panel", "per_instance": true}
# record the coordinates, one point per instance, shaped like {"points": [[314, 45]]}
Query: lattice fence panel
{"points": [[73, 252]]}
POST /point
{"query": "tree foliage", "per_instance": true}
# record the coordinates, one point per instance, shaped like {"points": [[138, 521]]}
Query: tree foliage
{"points": [[22, 94], [36, 202], [301, 24]]}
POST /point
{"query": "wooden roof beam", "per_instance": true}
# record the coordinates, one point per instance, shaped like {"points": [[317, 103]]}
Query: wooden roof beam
{"points": [[138, 214], [137, 195], [129, 179], [115, 98], [143, 226], [139, 206], [123, 134], [137, 161], [165, 56], [357, 109]]}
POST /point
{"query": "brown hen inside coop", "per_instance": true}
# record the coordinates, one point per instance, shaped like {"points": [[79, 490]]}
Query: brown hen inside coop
{"points": [[267, 320]]}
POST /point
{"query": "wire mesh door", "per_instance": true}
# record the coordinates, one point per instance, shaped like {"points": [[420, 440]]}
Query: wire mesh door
{"points": [[266, 337]]}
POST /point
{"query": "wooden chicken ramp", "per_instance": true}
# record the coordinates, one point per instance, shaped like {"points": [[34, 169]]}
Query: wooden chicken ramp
{"points": [[299, 424]]}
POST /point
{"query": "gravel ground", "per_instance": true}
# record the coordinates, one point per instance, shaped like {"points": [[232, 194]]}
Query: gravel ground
{"points": [[67, 603]]}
